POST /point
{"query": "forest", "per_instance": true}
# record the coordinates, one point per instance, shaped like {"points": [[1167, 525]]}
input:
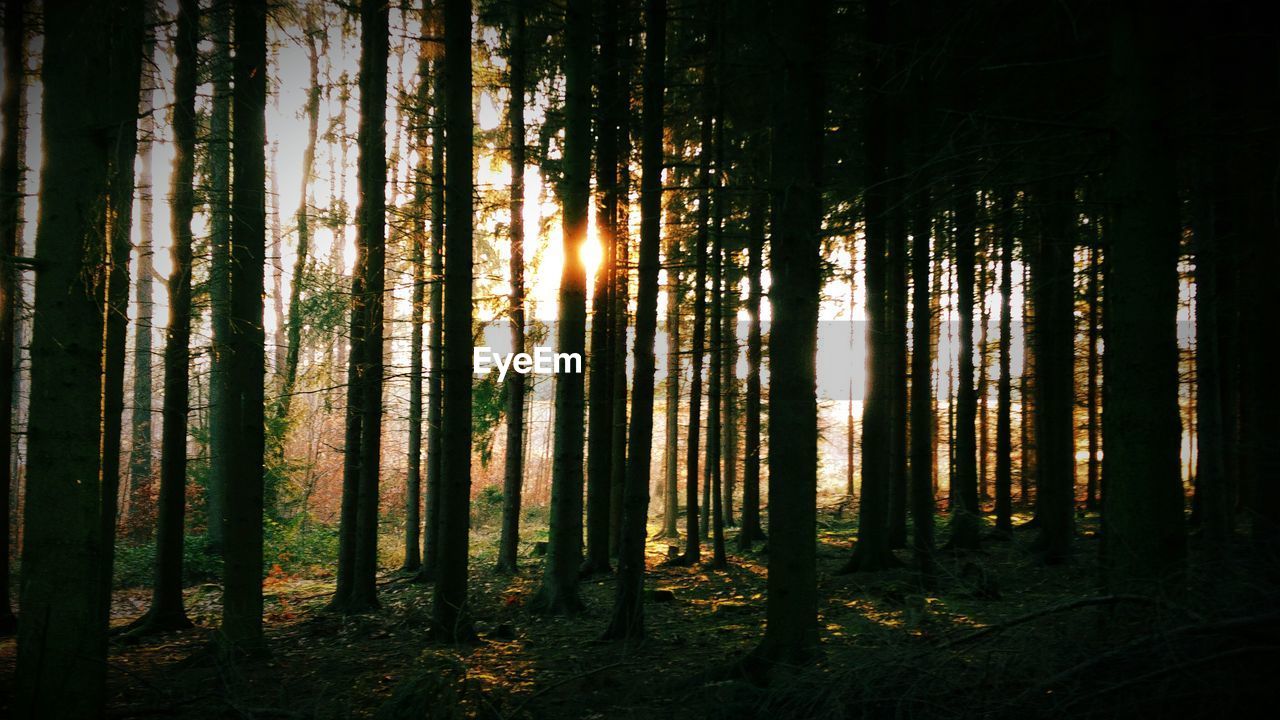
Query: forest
{"points": [[515, 359]]}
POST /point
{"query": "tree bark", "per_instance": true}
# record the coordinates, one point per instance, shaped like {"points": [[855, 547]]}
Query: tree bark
{"points": [[220, 430], [751, 531], [1143, 534], [628, 609], [965, 521], [922, 503], [513, 467], [11, 106], [141, 461], [791, 631], [450, 615], [1004, 389], [91, 73]]}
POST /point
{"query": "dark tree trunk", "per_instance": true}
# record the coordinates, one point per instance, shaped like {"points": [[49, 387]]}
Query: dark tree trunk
{"points": [[140, 510], [715, 470], [559, 590], [729, 386], [1212, 493], [435, 336], [1143, 535], [167, 611], [896, 319], [1094, 369], [965, 521], [872, 551], [15, 44], [450, 615], [751, 531], [421, 134], [513, 467], [243, 463], [922, 504], [1004, 389], [628, 609], [91, 82], [297, 285], [791, 632], [220, 429], [1054, 291], [600, 405], [671, 477]]}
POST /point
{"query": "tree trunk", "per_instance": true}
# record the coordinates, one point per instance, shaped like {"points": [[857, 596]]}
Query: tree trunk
{"points": [[751, 531], [1143, 534], [220, 430], [513, 467], [600, 418], [966, 522], [243, 464], [1094, 368], [167, 611], [791, 631], [671, 477], [450, 616], [15, 44], [715, 498], [872, 550], [628, 609], [1051, 279], [140, 509], [922, 504], [420, 138], [1004, 389], [297, 285], [435, 337], [91, 73]]}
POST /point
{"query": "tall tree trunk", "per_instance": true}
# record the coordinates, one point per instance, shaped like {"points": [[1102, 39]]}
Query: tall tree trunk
{"points": [[220, 430], [243, 463], [420, 139], [693, 527], [91, 73], [1094, 368], [1027, 392], [791, 631], [671, 476], [872, 551], [167, 611], [435, 336], [359, 532], [1004, 388], [896, 319], [600, 405], [922, 503], [450, 617], [966, 522], [1054, 292], [15, 45], [729, 386], [140, 510], [751, 531], [715, 498], [627, 622], [1143, 533], [513, 467], [1211, 489], [298, 283]]}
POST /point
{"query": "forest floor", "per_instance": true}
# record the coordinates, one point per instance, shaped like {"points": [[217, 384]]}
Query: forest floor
{"points": [[890, 648]]}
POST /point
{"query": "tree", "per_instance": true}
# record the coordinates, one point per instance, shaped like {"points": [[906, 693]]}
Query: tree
{"points": [[15, 44], [513, 469], [89, 124], [600, 404], [921, 476], [1055, 374], [872, 551], [450, 618], [1004, 424], [965, 518], [417, 259], [358, 535], [435, 339], [1143, 533], [791, 631], [751, 531], [559, 590], [241, 629], [167, 611], [628, 608], [297, 285], [141, 460], [220, 396]]}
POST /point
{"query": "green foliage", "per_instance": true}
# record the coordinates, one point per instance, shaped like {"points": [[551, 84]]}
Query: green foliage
{"points": [[299, 545], [488, 404], [487, 507], [135, 565]]}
